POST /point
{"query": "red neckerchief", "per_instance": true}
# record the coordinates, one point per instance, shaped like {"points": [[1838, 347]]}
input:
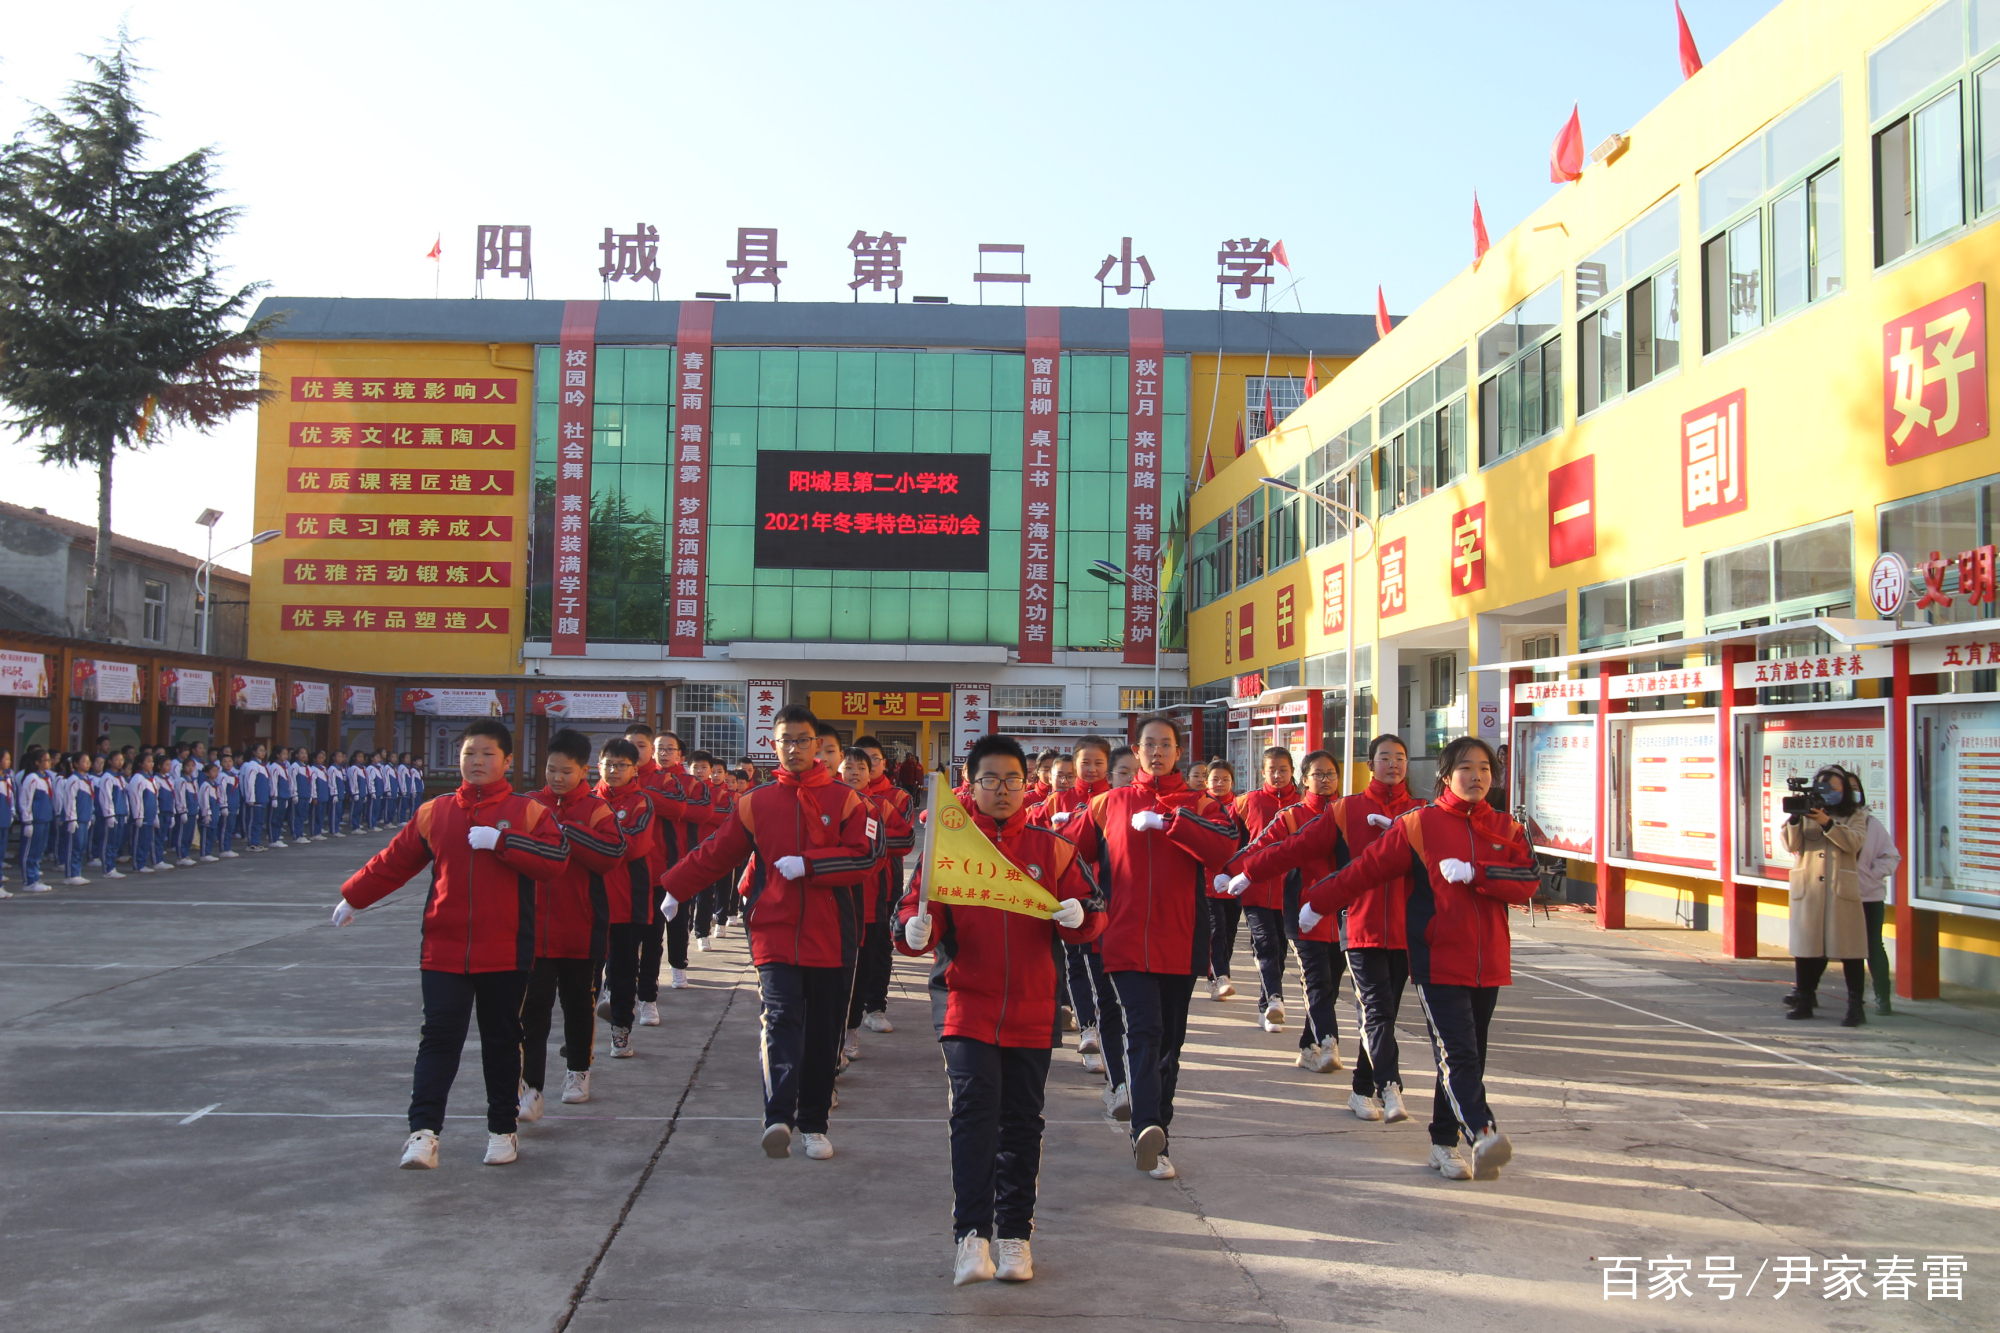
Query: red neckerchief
{"points": [[475, 801], [818, 833], [879, 787]]}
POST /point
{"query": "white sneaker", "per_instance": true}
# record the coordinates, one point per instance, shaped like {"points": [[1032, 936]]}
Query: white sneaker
{"points": [[229, 856], [701, 943], [680, 979], [114, 874], [1317, 1059], [1093, 1063], [1364, 1108], [621, 1043], [875, 1020], [576, 1086], [604, 1003], [1088, 1042], [276, 844], [1332, 1049], [1392, 1104], [1223, 990], [1147, 1148], [1215, 988], [75, 880], [1445, 1162], [531, 1105], [818, 1147], [974, 1263], [1015, 1263], [1490, 1152], [1120, 1102], [649, 1014], [211, 858], [777, 1140], [340, 835], [420, 1151], [852, 1050], [502, 1148], [1164, 1171], [36, 887], [145, 870], [721, 929], [185, 861], [1274, 1012]]}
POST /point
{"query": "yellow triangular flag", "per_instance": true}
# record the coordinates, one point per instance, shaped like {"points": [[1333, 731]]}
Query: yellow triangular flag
{"points": [[962, 867]]}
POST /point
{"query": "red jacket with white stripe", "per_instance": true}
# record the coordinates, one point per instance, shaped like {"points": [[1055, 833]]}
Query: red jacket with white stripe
{"points": [[1066, 802], [1288, 854], [1155, 882], [480, 913], [628, 887], [996, 971], [1325, 842], [1254, 811], [1457, 933], [812, 921], [892, 809], [573, 910]]}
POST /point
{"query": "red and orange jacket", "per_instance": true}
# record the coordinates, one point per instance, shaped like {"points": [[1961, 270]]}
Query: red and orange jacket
{"points": [[1457, 933], [892, 808], [1284, 854], [1326, 840], [1254, 810], [573, 910], [680, 805], [1155, 882], [1065, 802], [629, 887], [480, 913], [996, 971], [812, 921]]}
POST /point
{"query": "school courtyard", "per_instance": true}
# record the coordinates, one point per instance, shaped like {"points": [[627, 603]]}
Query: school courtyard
{"points": [[210, 1090]]}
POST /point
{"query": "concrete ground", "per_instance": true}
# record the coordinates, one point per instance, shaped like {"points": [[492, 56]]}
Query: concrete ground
{"points": [[209, 1088]]}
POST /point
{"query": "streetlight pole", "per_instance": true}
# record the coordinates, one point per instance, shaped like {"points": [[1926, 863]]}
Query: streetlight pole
{"points": [[1112, 573], [205, 571]]}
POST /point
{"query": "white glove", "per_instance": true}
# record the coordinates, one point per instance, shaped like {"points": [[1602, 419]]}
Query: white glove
{"points": [[1308, 918], [1221, 884], [1069, 913], [483, 839], [1060, 818], [670, 908], [343, 913], [1148, 820], [1380, 821], [917, 930], [1458, 872], [1236, 885], [791, 867]]}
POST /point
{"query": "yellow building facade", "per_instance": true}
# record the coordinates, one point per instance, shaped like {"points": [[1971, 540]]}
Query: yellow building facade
{"points": [[1700, 390]]}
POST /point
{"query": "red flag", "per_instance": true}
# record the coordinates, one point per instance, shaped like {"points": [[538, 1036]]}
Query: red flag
{"points": [[1480, 245], [1278, 250], [437, 249], [1239, 435], [1207, 465], [1566, 153], [1381, 315], [1312, 375], [1690, 57], [1270, 421]]}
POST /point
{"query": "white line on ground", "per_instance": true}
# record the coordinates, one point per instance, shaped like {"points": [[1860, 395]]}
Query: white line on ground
{"points": [[202, 1112]]}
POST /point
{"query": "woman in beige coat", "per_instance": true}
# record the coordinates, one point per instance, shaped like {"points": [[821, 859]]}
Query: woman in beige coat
{"points": [[1827, 919]]}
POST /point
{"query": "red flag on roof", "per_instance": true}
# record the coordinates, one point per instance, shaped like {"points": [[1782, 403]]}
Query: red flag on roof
{"points": [[1207, 464], [1312, 375], [1270, 421], [1381, 314], [1566, 153], [437, 249], [1690, 57], [1278, 253], [1239, 435], [1480, 245]]}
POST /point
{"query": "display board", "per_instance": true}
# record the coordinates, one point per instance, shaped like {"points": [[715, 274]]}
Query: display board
{"points": [[1673, 806], [828, 510], [1555, 780], [24, 675], [1955, 809], [1780, 746]]}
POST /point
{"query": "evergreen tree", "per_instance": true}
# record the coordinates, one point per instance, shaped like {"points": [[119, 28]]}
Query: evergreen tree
{"points": [[113, 322]]}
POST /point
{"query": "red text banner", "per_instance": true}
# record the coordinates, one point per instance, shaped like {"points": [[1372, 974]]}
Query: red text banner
{"points": [[355, 389], [1041, 392], [576, 369], [1468, 549], [1391, 578], [396, 619], [694, 352], [1934, 376], [414, 481], [400, 527], [1333, 600], [1144, 432], [1714, 455], [413, 573], [1573, 511], [400, 435]]}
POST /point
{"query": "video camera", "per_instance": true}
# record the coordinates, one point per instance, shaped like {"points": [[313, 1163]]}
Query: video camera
{"points": [[1805, 797]]}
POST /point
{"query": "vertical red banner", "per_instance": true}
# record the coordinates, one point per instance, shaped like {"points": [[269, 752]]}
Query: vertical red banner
{"points": [[1573, 511], [576, 378], [694, 355], [1287, 618], [1143, 519], [1040, 388], [1468, 549]]}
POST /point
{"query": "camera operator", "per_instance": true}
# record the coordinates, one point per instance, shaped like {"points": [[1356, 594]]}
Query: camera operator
{"points": [[1827, 920]]}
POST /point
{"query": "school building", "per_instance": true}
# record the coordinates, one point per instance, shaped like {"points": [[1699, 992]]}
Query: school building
{"points": [[1685, 489]]}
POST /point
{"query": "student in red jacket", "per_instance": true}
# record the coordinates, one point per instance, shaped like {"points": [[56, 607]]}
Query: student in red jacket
{"points": [[1285, 852], [486, 848], [873, 959], [809, 840], [1263, 903], [1225, 910], [682, 807], [572, 918], [1377, 955], [993, 995], [711, 913], [1156, 844], [1466, 862], [1100, 1038], [630, 889]]}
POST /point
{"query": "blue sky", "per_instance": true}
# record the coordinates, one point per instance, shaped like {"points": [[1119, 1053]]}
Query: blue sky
{"points": [[352, 135]]}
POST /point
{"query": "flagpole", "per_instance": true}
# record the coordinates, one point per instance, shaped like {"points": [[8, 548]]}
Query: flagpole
{"points": [[1208, 440], [930, 832]]}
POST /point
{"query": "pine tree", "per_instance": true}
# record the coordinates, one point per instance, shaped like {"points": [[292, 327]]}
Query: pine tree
{"points": [[113, 322]]}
